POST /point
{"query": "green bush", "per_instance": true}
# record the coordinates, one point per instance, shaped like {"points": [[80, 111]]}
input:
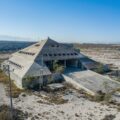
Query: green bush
{"points": [[99, 69], [57, 67], [29, 82]]}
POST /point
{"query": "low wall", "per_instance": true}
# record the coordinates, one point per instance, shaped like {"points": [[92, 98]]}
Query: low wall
{"points": [[77, 85]]}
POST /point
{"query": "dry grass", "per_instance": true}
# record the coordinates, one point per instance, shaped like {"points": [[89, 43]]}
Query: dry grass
{"points": [[15, 91], [17, 114], [57, 100], [109, 117], [4, 79]]}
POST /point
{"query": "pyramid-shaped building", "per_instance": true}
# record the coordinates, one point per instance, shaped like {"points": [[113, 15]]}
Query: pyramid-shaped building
{"points": [[35, 61]]}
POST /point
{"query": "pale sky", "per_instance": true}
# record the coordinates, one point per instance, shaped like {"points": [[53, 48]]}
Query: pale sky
{"points": [[63, 20]]}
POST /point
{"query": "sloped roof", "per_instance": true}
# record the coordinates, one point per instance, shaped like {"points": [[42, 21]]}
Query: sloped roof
{"points": [[28, 60], [53, 50]]}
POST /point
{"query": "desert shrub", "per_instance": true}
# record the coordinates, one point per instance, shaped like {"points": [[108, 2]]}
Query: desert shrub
{"points": [[57, 67], [15, 90], [56, 100], [77, 50], [30, 83], [99, 96], [109, 117], [103, 97], [17, 114], [3, 78], [49, 78], [100, 69]]}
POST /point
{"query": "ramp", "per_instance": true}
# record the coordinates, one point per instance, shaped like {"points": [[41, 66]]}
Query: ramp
{"points": [[91, 82]]}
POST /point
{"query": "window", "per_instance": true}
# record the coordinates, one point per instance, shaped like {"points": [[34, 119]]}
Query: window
{"points": [[15, 64], [52, 46], [59, 54], [55, 55], [75, 54], [63, 54], [45, 55], [50, 54], [27, 53]]}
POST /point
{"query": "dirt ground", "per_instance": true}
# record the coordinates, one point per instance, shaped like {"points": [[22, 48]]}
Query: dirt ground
{"points": [[4, 56], [69, 104], [107, 55]]}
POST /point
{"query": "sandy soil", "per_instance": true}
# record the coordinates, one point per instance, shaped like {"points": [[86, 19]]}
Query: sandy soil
{"points": [[77, 106], [5, 56], [107, 56], [38, 106]]}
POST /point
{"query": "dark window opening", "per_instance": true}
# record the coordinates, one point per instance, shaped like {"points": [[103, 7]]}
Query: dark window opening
{"points": [[55, 55], [27, 53], [75, 53], [50, 54], [59, 54], [45, 55], [52, 45], [13, 63]]}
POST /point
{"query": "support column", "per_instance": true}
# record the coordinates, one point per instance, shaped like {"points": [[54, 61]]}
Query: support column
{"points": [[51, 64], [76, 63], [65, 63]]}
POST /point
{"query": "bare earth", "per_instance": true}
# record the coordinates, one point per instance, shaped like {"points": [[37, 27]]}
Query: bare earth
{"points": [[107, 56], [4, 56], [78, 107]]}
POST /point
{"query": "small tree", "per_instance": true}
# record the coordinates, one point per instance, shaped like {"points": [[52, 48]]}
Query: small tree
{"points": [[57, 67]]}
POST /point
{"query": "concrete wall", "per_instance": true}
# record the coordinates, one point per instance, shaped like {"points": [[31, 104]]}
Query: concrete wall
{"points": [[72, 63], [17, 80], [77, 85]]}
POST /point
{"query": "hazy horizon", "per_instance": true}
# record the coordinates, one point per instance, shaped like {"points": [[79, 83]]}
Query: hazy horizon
{"points": [[20, 39], [78, 21]]}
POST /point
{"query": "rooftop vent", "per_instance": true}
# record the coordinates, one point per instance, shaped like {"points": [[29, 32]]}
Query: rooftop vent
{"points": [[37, 45], [15, 64], [27, 53]]}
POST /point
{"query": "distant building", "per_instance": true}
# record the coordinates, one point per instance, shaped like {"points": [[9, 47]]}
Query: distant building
{"points": [[37, 60]]}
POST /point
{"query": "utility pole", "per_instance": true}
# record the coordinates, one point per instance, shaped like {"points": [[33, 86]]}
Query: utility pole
{"points": [[7, 68], [41, 75], [10, 85]]}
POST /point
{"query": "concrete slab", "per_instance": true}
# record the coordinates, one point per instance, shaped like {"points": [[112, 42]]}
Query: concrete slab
{"points": [[55, 86], [91, 81]]}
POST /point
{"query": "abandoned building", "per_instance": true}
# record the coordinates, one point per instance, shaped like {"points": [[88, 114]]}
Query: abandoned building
{"points": [[33, 66], [37, 60]]}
